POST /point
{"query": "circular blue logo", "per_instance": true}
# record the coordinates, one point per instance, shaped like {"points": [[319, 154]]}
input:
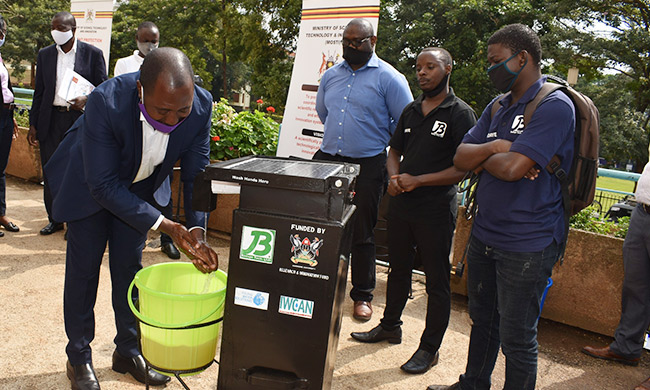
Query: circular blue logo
{"points": [[258, 299]]}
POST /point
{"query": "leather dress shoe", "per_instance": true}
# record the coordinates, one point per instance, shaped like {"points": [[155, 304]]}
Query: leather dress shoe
{"points": [[420, 362], [607, 354], [82, 377], [455, 386], [2, 234], [137, 367], [10, 227], [170, 250], [643, 386], [378, 334], [362, 310], [51, 228]]}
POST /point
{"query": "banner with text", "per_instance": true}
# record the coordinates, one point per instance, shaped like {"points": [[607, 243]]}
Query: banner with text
{"points": [[94, 22], [319, 48]]}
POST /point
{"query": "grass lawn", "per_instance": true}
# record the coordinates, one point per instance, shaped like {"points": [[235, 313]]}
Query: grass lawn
{"points": [[611, 183]]}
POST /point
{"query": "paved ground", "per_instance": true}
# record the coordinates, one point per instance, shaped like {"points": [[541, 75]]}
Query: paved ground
{"points": [[33, 339]]}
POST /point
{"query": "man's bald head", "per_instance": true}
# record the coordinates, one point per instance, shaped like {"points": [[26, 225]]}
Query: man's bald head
{"points": [[363, 26], [65, 18], [168, 63]]}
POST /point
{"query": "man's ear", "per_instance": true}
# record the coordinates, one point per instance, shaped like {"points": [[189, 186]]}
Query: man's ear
{"points": [[373, 41]]}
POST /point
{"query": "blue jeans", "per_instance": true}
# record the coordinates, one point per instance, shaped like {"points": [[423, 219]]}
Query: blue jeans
{"points": [[505, 290]]}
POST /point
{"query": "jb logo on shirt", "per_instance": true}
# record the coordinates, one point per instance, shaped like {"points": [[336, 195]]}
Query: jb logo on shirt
{"points": [[439, 129], [517, 125]]}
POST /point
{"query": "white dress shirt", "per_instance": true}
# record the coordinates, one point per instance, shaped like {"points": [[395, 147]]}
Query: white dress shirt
{"points": [[643, 186], [7, 95], [128, 64], [63, 61], [154, 148]]}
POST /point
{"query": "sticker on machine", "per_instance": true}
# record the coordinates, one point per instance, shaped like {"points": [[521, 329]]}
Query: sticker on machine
{"points": [[296, 307], [257, 244], [251, 298], [305, 251]]}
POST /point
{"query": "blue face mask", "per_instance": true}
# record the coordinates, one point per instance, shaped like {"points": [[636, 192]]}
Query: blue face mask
{"points": [[501, 76], [2, 41]]}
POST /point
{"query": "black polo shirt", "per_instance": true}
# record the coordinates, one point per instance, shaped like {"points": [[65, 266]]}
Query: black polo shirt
{"points": [[427, 145]]}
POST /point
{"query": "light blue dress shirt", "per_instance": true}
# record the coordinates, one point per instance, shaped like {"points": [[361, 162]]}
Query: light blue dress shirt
{"points": [[360, 108]]}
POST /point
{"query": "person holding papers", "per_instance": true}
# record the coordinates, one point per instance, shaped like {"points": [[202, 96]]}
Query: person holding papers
{"points": [[51, 115]]}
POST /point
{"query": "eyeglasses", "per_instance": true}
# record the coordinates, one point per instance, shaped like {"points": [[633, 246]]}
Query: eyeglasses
{"points": [[354, 42]]}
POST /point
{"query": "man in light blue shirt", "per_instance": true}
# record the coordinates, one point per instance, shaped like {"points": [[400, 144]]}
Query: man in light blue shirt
{"points": [[359, 101]]}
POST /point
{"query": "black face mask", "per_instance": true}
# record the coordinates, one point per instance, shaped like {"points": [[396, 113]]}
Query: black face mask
{"points": [[356, 57], [439, 88], [502, 77]]}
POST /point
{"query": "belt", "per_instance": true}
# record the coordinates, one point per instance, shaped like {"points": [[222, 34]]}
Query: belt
{"points": [[9, 106], [646, 207], [62, 108]]}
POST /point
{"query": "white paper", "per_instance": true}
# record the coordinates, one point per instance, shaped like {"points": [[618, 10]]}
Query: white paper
{"points": [[74, 85]]}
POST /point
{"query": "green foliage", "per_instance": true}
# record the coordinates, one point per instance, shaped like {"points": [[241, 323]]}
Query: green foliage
{"points": [[241, 134], [22, 117], [589, 219]]}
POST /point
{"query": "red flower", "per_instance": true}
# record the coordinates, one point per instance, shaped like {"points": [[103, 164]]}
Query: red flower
{"points": [[231, 148], [260, 101], [270, 109], [216, 138]]}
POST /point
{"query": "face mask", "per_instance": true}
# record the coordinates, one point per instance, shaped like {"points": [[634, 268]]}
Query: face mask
{"points": [[356, 57], [441, 85], [502, 77], [154, 123], [2, 41], [61, 37], [146, 47]]}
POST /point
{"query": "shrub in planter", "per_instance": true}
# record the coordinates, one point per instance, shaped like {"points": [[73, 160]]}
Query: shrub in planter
{"points": [[241, 134], [22, 117], [589, 219]]}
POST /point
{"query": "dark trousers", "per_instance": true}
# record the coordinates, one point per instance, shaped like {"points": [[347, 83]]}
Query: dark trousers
{"points": [[6, 136], [369, 189], [433, 240], [505, 290], [60, 123], [87, 239], [635, 300]]}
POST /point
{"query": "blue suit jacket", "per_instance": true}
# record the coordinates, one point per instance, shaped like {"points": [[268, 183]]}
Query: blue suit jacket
{"points": [[88, 62], [97, 161]]}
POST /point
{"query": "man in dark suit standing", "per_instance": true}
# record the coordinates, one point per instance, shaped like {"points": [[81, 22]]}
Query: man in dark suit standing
{"points": [[106, 178], [51, 116]]}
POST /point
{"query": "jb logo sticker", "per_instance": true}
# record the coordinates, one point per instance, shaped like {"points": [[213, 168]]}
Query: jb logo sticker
{"points": [[257, 244]]}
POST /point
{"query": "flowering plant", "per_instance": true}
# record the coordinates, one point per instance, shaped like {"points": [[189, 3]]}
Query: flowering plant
{"points": [[241, 134]]}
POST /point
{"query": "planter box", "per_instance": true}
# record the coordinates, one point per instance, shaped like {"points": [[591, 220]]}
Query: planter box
{"points": [[24, 159], [586, 291]]}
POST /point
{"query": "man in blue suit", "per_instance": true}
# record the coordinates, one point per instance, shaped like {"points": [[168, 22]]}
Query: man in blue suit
{"points": [[106, 177], [51, 115]]}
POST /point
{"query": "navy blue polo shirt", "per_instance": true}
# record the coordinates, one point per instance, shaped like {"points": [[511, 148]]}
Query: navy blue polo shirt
{"points": [[525, 215]]}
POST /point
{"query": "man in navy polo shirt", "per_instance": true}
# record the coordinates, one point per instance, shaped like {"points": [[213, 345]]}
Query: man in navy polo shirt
{"points": [[519, 227], [359, 101], [422, 209]]}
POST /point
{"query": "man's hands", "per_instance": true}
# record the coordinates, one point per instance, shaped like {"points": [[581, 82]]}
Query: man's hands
{"points": [[402, 183], [79, 102], [192, 244], [31, 136]]}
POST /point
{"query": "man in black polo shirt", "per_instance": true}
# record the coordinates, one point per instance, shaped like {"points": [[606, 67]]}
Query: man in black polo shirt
{"points": [[422, 208]]}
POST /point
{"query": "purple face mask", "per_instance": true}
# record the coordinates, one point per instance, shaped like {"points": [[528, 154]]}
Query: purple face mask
{"points": [[163, 128]]}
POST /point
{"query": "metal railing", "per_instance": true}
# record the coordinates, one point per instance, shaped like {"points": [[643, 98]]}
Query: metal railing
{"points": [[23, 96], [608, 197]]}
